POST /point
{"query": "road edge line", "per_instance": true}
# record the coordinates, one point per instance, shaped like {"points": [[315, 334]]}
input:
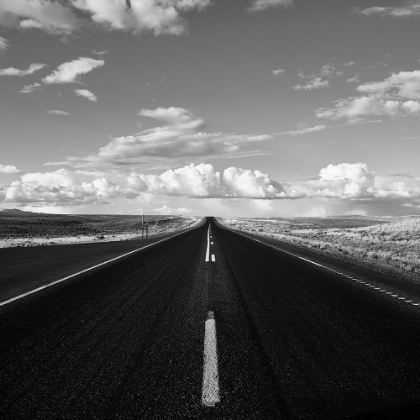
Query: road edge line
{"points": [[45, 286]]}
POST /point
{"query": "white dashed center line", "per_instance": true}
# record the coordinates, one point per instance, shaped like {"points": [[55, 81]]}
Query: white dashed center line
{"points": [[208, 246], [210, 394], [213, 257]]}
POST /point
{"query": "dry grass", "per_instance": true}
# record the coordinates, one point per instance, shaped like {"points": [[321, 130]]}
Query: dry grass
{"points": [[30, 229], [394, 243]]}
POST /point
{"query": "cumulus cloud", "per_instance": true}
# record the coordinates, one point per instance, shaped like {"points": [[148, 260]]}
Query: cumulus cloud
{"points": [[314, 83], [203, 181], [356, 182], [86, 94], [4, 44], [57, 112], [11, 71], [408, 10], [398, 95], [261, 5], [61, 187], [30, 88], [157, 16], [180, 136], [9, 169], [69, 72]]}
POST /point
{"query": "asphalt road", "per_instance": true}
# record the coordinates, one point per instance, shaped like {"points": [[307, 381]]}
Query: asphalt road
{"points": [[278, 336]]}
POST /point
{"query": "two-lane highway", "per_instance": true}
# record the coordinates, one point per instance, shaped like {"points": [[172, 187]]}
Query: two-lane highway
{"points": [[209, 324]]}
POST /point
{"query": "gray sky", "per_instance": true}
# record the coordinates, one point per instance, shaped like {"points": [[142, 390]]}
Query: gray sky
{"points": [[262, 107]]}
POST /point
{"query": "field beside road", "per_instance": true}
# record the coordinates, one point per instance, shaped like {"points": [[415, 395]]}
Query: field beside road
{"points": [[18, 228], [384, 243]]}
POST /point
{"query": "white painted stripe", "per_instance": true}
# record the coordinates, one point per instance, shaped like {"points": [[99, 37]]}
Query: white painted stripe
{"points": [[84, 271], [213, 257], [212, 243], [210, 393], [320, 265], [208, 246]]}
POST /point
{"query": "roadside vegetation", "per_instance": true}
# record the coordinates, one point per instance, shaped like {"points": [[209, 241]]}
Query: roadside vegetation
{"points": [[18, 228], [380, 241]]}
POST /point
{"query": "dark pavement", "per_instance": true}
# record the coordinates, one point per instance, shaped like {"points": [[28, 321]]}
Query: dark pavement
{"points": [[126, 340]]}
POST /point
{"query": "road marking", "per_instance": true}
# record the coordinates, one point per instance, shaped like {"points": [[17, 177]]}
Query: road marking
{"points": [[210, 394], [212, 243], [208, 246], [84, 271], [327, 268], [213, 257]]}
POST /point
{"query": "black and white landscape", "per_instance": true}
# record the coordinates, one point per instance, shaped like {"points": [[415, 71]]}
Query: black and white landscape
{"points": [[209, 209]]}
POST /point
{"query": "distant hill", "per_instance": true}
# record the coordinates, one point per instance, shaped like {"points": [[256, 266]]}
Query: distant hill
{"points": [[16, 212]]}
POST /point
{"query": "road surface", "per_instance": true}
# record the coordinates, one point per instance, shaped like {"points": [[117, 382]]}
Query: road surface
{"points": [[211, 324]]}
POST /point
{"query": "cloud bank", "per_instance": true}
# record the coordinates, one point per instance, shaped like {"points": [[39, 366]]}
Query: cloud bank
{"points": [[345, 182]]}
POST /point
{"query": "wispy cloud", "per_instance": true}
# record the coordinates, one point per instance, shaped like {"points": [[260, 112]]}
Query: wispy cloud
{"points": [[278, 72], [11, 71], [180, 137], [30, 88], [319, 79], [69, 72], [4, 44], [57, 112], [86, 94], [408, 10], [304, 130], [314, 83], [398, 95], [52, 17], [261, 5]]}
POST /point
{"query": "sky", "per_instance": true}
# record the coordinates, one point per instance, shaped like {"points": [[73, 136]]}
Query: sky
{"points": [[238, 108]]}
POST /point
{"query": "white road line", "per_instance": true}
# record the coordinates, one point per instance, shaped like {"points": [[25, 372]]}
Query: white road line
{"points": [[323, 266], [212, 243], [210, 393], [83, 271], [213, 257], [208, 246]]}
